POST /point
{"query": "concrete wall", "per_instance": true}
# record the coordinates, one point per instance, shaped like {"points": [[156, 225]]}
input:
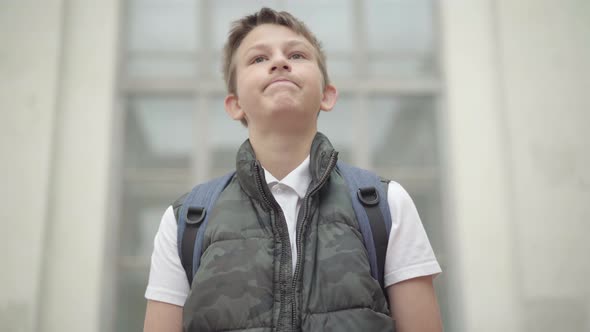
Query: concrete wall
{"points": [[58, 82], [480, 237], [517, 83], [30, 35], [545, 55]]}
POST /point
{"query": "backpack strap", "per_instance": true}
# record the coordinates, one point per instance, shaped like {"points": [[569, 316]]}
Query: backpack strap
{"points": [[369, 200], [192, 219]]}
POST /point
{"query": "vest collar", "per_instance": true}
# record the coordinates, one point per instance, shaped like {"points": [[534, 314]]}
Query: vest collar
{"points": [[249, 171]]}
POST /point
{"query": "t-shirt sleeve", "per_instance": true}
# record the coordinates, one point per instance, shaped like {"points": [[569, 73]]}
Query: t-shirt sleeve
{"points": [[409, 253], [167, 280]]}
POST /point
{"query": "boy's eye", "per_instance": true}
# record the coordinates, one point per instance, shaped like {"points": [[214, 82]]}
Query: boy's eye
{"points": [[258, 59], [297, 56]]}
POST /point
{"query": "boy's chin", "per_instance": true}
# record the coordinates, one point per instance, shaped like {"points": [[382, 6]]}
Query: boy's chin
{"points": [[285, 109], [284, 103]]}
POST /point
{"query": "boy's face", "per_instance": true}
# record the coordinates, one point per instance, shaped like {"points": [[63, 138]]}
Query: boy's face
{"points": [[278, 81]]}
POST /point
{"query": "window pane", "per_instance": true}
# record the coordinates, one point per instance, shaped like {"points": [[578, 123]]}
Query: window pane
{"points": [[402, 133], [400, 38], [330, 20], [224, 144], [147, 66], [400, 25], [131, 303], [162, 38], [400, 67], [142, 209], [340, 67], [337, 125], [158, 132], [163, 25]]}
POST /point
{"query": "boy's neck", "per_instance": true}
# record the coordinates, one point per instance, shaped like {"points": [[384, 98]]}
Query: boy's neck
{"points": [[280, 153]]}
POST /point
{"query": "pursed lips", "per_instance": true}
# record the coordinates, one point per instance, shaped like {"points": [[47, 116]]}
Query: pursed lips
{"points": [[281, 80]]}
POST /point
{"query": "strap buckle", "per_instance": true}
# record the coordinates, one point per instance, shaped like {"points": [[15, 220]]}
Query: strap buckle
{"points": [[195, 215], [369, 196]]}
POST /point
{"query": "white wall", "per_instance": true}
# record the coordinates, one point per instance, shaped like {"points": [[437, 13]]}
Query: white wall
{"points": [[75, 252], [545, 54], [57, 83], [517, 116], [480, 238], [30, 35]]}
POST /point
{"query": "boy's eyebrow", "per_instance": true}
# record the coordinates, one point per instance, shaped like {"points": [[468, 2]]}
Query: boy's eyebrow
{"points": [[296, 42], [260, 46], [289, 43]]}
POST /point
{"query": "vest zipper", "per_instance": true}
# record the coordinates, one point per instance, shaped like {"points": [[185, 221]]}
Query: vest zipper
{"points": [[300, 229], [272, 203], [283, 234]]}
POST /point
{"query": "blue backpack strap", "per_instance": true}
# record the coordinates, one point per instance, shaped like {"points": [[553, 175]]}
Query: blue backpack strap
{"points": [[193, 217], [369, 200]]}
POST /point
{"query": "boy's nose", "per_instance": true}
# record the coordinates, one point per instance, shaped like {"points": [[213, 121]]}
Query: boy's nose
{"points": [[280, 64]]}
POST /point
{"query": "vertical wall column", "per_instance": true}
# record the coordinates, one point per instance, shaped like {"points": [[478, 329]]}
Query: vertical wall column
{"points": [[30, 33], [481, 233], [545, 51], [74, 248]]}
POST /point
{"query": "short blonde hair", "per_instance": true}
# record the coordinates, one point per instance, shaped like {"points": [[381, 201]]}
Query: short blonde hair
{"points": [[243, 26]]}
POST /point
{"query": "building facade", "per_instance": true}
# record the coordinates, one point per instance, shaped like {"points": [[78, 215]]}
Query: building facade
{"points": [[109, 110]]}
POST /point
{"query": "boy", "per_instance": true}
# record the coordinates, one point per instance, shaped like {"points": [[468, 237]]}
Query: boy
{"points": [[282, 250]]}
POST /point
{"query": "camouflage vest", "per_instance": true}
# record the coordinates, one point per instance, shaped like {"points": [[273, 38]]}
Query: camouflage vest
{"points": [[245, 279]]}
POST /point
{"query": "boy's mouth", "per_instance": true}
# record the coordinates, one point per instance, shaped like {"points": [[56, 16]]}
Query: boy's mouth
{"points": [[281, 80]]}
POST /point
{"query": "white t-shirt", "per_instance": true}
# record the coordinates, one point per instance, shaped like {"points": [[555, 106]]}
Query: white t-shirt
{"points": [[409, 254]]}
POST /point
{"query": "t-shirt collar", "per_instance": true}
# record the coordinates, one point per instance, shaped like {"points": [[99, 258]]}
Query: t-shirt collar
{"points": [[298, 179]]}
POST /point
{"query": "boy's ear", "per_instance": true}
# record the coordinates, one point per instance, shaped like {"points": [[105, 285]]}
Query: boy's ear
{"points": [[329, 98], [233, 108]]}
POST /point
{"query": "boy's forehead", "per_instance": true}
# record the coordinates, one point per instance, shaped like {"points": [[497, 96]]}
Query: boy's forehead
{"points": [[272, 34]]}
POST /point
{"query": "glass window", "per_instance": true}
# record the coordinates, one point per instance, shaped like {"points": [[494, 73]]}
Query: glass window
{"points": [[400, 26], [161, 38], [405, 129], [143, 207], [340, 67], [131, 305], [158, 132], [162, 25], [229, 135], [400, 38], [177, 131], [331, 21], [405, 67], [338, 126]]}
